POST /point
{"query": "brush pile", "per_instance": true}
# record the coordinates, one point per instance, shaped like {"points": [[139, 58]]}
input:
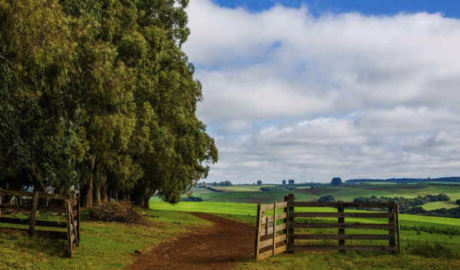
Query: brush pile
{"points": [[116, 212]]}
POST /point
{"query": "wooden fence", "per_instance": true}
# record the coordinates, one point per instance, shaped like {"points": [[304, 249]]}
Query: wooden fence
{"points": [[298, 221], [271, 231], [69, 205]]}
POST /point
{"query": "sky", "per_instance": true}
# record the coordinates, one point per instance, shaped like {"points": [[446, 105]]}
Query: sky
{"points": [[310, 90]]}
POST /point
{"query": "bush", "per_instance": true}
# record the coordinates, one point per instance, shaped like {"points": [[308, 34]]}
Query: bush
{"points": [[458, 202], [327, 198], [192, 199]]}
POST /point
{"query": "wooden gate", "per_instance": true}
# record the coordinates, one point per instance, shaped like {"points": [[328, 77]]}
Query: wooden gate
{"points": [[305, 228], [71, 208], [271, 230]]}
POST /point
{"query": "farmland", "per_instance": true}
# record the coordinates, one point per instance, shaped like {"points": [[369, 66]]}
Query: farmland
{"points": [[428, 242]]}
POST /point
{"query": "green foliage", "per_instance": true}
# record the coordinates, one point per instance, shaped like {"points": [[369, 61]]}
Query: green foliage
{"points": [[327, 198], [336, 181], [99, 93]]}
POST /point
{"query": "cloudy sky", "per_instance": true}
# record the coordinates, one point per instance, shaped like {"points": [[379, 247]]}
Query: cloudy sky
{"points": [[314, 89]]}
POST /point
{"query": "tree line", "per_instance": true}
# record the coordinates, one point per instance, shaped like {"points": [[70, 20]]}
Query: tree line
{"points": [[99, 95]]}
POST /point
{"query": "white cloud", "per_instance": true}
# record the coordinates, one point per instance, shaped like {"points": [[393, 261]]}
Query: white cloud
{"points": [[380, 93]]}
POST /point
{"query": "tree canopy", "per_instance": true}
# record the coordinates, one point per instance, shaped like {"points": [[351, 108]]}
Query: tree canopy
{"points": [[336, 181], [99, 94]]}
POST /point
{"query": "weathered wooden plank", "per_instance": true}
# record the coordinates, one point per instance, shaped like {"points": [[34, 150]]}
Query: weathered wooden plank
{"points": [[79, 218], [345, 204], [398, 228], [258, 229], [270, 229], [341, 220], [266, 243], [282, 205], [341, 215], [291, 213], [275, 207], [69, 230], [44, 223], [30, 194], [265, 255], [74, 203], [14, 220], [266, 207], [338, 247], [33, 215], [13, 206], [281, 249], [280, 238], [342, 226], [342, 236], [392, 231], [278, 217]]}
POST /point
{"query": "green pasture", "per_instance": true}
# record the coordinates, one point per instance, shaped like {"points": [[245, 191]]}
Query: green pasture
{"points": [[104, 245], [439, 205], [252, 194]]}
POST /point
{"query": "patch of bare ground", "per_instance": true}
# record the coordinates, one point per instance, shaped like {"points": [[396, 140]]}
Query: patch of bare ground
{"points": [[217, 247]]}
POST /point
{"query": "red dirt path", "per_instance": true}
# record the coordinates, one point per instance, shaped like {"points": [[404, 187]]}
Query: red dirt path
{"points": [[214, 247]]}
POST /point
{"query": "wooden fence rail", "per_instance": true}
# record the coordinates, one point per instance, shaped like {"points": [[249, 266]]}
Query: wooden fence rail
{"points": [[294, 221], [271, 230], [71, 207]]}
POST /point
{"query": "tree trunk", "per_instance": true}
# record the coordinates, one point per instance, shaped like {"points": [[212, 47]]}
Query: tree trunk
{"points": [[97, 188], [145, 203], [103, 187], [89, 192]]}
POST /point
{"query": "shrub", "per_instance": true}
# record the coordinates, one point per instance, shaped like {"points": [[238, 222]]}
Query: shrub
{"points": [[327, 198], [458, 202], [192, 199]]}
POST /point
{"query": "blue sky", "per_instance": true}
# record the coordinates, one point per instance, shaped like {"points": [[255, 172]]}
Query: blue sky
{"points": [[310, 90], [450, 8]]}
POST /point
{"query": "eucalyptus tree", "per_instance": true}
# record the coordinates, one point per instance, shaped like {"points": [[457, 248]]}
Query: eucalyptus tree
{"points": [[100, 93]]}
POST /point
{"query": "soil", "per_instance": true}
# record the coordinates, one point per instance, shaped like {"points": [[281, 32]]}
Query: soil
{"points": [[215, 247]]}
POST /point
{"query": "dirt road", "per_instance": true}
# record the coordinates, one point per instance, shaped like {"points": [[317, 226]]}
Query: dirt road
{"points": [[212, 248]]}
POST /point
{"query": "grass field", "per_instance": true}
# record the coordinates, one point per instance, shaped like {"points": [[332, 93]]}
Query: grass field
{"points": [[103, 245], [428, 242], [252, 194]]}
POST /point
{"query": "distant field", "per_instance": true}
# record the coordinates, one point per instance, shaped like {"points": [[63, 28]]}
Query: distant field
{"points": [[426, 245], [439, 205], [252, 194]]}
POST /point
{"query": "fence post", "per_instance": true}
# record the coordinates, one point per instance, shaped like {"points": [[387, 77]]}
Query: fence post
{"points": [[285, 221], [341, 221], [391, 221], [397, 228], [256, 253], [33, 215], [69, 231], [291, 220], [78, 218], [274, 228]]}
